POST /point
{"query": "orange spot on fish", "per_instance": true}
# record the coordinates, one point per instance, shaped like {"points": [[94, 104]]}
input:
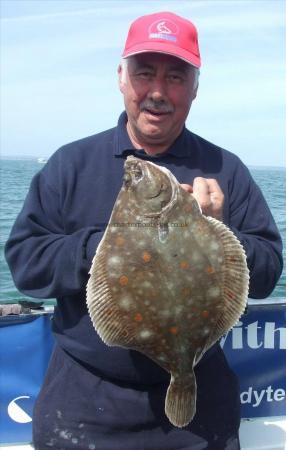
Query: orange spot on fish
{"points": [[174, 330], [123, 280], [138, 317], [184, 265], [120, 241], [210, 269], [205, 314], [146, 256]]}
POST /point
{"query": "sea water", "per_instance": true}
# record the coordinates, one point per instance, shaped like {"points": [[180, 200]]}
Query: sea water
{"points": [[15, 178]]}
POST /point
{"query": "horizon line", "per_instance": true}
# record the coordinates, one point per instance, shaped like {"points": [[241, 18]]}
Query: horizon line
{"points": [[36, 158]]}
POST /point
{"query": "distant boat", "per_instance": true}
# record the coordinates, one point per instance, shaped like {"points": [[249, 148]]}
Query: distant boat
{"points": [[42, 160]]}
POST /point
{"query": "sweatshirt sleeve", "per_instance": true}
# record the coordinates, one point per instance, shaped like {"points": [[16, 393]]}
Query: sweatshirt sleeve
{"points": [[45, 260], [252, 222]]}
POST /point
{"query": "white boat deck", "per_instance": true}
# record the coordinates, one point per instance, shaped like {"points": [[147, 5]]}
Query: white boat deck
{"points": [[255, 434]]}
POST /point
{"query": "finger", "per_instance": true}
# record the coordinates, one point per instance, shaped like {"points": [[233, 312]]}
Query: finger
{"points": [[200, 185], [217, 199], [201, 193], [213, 186], [187, 187], [216, 196]]}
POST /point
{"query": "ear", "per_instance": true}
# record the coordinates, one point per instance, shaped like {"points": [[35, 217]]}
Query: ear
{"points": [[120, 78], [195, 90]]}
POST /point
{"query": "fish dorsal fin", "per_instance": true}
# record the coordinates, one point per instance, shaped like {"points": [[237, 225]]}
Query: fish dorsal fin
{"points": [[235, 281]]}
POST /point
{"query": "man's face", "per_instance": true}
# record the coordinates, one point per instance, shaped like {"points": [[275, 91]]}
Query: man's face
{"points": [[158, 92]]}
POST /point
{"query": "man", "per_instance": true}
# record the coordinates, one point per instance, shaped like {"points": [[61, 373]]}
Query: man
{"points": [[108, 398]]}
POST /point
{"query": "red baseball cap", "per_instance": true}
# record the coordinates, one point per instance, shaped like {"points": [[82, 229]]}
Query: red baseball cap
{"points": [[164, 32]]}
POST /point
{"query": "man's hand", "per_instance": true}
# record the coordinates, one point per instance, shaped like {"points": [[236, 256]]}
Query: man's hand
{"points": [[208, 195]]}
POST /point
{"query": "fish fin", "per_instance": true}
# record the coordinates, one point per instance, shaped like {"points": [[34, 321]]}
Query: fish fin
{"points": [[103, 310], [235, 281], [180, 403]]}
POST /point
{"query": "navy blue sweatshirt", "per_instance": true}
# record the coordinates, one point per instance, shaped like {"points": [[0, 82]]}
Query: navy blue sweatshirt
{"points": [[68, 206]]}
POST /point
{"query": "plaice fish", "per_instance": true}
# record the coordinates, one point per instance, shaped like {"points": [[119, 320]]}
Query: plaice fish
{"points": [[166, 280]]}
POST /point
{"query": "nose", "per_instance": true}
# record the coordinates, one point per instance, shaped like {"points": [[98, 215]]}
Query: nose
{"points": [[157, 91]]}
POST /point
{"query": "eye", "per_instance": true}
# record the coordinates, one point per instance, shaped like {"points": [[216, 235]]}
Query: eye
{"points": [[144, 75], [137, 173], [176, 78]]}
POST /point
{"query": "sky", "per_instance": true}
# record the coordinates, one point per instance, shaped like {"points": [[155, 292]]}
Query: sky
{"points": [[59, 82]]}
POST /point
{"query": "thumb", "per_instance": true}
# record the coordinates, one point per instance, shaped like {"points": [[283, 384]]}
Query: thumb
{"points": [[187, 187]]}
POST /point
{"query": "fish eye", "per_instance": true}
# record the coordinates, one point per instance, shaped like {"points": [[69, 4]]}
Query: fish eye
{"points": [[136, 173]]}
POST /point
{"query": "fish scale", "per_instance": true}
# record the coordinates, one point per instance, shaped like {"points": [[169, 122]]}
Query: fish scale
{"points": [[166, 280]]}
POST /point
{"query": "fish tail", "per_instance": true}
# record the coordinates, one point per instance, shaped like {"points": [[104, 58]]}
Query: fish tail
{"points": [[180, 403]]}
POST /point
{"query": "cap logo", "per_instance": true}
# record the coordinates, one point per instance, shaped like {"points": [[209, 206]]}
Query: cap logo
{"points": [[163, 29]]}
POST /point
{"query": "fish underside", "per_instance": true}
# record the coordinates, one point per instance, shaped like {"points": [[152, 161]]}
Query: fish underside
{"points": [[166, 280]]}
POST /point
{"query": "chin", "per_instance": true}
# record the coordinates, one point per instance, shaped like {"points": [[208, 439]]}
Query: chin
{"points": [[153, 132], [155, 138]]}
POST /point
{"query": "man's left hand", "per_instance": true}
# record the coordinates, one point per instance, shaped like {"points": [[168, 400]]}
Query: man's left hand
{"points": [[209, 196]]}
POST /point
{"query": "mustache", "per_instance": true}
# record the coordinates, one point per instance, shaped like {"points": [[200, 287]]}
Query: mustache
{"points": [[160, 106]]}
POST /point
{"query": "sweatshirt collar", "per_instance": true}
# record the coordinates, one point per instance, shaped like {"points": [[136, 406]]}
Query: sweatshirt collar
{"points": [[123, 145]]}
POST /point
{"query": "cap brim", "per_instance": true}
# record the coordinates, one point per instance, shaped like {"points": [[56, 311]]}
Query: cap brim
{"points": [[158, 47]]}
